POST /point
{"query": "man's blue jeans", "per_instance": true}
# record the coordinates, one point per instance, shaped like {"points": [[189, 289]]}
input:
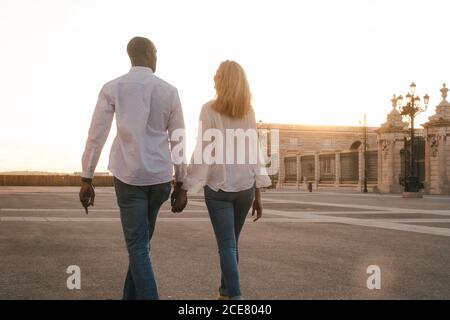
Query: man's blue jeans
{"points": [[228, 211], [139, 207]]}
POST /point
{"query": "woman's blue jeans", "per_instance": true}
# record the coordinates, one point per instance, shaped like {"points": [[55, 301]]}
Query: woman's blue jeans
{"points": [[228, 211], [139, 207]]}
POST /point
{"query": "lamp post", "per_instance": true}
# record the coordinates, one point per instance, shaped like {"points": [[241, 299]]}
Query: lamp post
{"points": [[259, 127], [365, 134], [411, 110], [365, 154]]}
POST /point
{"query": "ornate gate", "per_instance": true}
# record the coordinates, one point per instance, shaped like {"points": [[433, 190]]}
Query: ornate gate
{"points": [[419, 157]]}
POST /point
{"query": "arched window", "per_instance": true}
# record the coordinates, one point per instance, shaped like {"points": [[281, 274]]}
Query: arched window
{"points": [[355, 145]]}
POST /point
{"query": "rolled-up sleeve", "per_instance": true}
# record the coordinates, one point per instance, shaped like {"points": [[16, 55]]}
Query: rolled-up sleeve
{"points": [[262, 178], [177, 134], [98, 132], [197, 171]]}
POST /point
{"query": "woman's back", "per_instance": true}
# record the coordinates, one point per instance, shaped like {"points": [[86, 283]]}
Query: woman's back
{"points": [[225, 162], [239, 151]]}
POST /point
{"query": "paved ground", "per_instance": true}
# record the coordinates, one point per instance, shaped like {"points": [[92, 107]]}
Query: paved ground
{"points": [[308, 246]]}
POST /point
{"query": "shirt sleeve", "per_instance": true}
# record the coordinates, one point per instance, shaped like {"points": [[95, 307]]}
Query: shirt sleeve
{"points": [[177, 136], [197, 171], [262, 178], [98, 133]]}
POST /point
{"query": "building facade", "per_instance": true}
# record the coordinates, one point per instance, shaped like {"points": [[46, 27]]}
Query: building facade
{"points": [[324, 155], [341, 156]]}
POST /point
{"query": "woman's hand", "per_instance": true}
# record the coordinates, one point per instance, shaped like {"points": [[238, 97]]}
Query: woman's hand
{"points": [[257, 205]]}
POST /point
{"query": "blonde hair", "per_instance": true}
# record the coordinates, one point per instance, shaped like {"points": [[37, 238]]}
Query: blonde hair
{"points": [[233, 96]]}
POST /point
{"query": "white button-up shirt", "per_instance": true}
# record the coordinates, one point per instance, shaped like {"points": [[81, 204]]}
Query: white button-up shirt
{"points": [[147, 110], [229, 176]]}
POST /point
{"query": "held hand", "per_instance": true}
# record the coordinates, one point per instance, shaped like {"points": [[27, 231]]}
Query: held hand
{"points": [[174, 195], [87, 195], [178, 200], [257, 208]]}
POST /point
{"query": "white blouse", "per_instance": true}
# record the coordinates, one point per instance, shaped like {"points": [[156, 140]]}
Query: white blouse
{"points": [[215, 161]]}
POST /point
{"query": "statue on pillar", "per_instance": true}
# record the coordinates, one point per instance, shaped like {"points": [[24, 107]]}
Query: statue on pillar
{"points": [[437, 176], [390, 142]]}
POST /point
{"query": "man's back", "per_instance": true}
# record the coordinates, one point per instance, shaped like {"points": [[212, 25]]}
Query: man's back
{"points": [[147, 111]]}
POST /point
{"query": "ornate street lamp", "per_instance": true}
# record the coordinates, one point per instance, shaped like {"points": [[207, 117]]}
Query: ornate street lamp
{"points": [[365, 134], [411, 110]]}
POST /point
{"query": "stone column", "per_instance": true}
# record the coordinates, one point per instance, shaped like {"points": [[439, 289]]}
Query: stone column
{"points": [[437, 152], [443, 180], [337, 176], [360, 167], [427, 164], [379, 164], [299, 170], [316, 170], [281, 171], [390, 142]]}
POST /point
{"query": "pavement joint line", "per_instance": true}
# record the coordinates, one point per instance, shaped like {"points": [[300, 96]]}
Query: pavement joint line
{"points": [[54, 210], [371, 223], [327, 193], [177, 219], [196, 219], [9, 190], [352, 194], [414, 220], [434, 212], [405, 212], [381, 223], [356, 206], [78, 210]]}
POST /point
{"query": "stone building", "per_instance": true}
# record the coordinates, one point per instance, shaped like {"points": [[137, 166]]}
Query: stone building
{"points": [[336, 156], [328, 155], [437, 148]]}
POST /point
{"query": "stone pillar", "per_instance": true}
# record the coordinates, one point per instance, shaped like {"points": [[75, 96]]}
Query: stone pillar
{"points": [[391, 137], [299, 170], [281, 171], [316, 170], [337, 176], [361, 163], [437, 152], [379, 165], [427, 164]]}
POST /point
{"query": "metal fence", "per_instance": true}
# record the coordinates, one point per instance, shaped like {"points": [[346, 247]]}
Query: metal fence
{"points": [[419, 158]]}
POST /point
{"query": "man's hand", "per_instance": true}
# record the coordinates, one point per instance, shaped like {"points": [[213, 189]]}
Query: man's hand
{"points": [[257, 206], [178, 199], [87, 195]]}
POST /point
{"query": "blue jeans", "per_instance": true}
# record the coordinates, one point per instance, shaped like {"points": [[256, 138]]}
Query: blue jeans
{"points": [[139, 207], [228, 211]]}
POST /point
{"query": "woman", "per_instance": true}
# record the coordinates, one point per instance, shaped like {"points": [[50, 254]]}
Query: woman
{"points": [[231, 173]]}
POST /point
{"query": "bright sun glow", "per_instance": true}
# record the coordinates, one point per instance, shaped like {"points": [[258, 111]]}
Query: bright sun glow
{"points": [[308, 62]]}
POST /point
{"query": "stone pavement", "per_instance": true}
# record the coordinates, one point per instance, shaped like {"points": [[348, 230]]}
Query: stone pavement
{"points": [[308, 246]]}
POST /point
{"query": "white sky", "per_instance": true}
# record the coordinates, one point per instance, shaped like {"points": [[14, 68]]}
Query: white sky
{"points": [[308, 62]]}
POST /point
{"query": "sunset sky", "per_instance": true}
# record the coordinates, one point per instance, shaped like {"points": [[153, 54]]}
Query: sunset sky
{"points": [[308, 62]]}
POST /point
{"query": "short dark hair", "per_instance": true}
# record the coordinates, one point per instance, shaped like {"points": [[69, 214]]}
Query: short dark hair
{"points": [[139, 48]]}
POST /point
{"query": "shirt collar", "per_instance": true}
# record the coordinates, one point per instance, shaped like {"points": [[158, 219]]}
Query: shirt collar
{"points": [[140, 69]]}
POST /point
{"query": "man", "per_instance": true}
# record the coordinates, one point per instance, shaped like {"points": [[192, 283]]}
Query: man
{"points": [[148, 111]]}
